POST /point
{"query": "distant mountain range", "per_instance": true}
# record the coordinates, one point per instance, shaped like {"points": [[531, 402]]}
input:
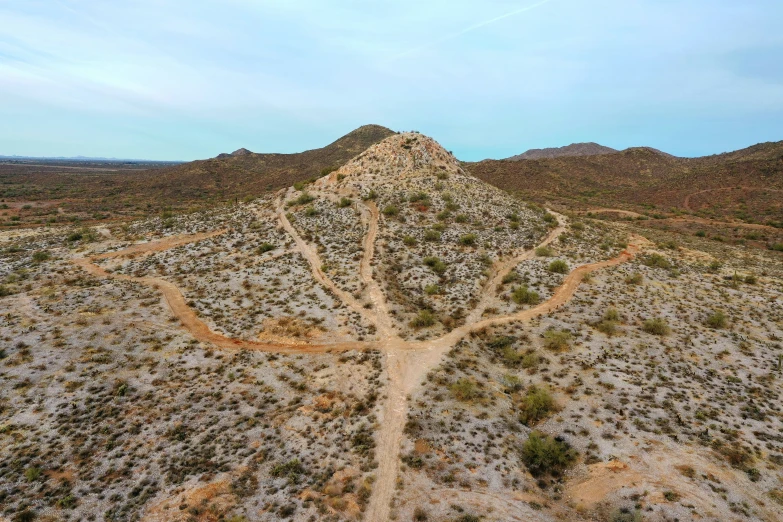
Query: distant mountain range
{"points": [[575, 149]]}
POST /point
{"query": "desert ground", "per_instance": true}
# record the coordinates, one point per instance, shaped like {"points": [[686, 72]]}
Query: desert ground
{"points": [[395, 340]]}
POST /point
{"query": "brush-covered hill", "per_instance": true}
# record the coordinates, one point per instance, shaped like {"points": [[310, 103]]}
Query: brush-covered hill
{"points": [[244, 173], [744, 184], [575, 149]]}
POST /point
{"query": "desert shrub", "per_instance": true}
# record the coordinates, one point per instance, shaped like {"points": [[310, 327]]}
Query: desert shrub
{"points": [[265, 247], [409, 240], [304, 198], [656, 326], [41, 256], [432, 289], [344, 202], [432, 235], [370, 195], [328, 170], [714, 266], [545, 251], [611, 314], [291, 470], [32, 474], [546, 455], [464, 389], [558, 266], [523, 295], [634, 279], [751, 279], [511, 277], [461, 218], [420, 514], [557, 340], [511, 383], [550, 218], [608, 323], [530, 360], [437, 266], [536, 405], [419, 197], [311, 211], [390, 210], [656, 261], [443, 215], [468, 240], [424, 319], [626, 515], [717, 320], [777, 247]]}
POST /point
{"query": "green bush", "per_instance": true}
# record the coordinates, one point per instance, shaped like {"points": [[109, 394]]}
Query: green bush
{"points": [[311, 211], [41, 256], [432, 235], [424, 319], [546, 455], [545, 251], [657, 261], [634, 279], [536, 405], [511, 277], [523, 295], [468, 240], [304, 198], [558, 266], [409, 240], [432, 289], [419, 197], [656, 326], [777, 247], [437, 266], [390, 211], [557, 340], [344, 202], [465, 389], [626, 515], [291, 470], [328, 170], [265, 247], [461, 218], [717, 320]]}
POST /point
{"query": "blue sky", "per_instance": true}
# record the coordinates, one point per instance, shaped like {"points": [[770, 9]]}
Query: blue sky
{"points": [[189, 79]]}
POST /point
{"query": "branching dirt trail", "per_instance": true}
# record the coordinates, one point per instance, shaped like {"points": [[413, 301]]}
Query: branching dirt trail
{"points": [[406, 362]]}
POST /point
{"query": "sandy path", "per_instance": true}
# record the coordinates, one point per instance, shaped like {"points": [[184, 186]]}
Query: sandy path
{"points": [[499, 271], [187, 316]]}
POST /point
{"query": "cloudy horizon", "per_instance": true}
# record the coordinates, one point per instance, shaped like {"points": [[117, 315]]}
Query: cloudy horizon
{"points": [[188, 80]]}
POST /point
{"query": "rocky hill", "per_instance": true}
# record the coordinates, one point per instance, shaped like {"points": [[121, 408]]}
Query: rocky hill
{"points": [[575, 149]]}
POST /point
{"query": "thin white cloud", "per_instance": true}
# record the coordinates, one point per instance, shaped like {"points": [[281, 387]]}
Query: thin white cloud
{"points": [[467, 30]]}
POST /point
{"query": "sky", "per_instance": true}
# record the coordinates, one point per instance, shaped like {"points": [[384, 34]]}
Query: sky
{"points": [[188, 79]]}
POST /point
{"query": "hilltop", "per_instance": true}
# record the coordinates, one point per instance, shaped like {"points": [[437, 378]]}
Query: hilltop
{"points": [[575, 149]]}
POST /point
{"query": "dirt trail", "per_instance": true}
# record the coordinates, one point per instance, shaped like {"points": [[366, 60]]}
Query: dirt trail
{"points": [[406, 362], [502, 268], [160, 245], [188, 317]]}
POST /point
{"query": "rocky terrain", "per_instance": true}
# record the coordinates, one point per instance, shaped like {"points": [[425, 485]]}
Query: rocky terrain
{"points": [[393, 340]]}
